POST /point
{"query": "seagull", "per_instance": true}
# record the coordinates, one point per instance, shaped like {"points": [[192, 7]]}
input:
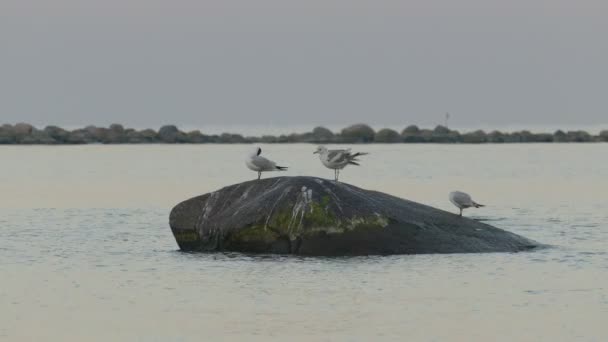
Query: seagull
{"points": [[462, 201], [337, 159], [256, 162]]}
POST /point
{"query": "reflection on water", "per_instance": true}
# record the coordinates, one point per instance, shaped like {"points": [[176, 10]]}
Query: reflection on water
{"points": [[86, 252]]}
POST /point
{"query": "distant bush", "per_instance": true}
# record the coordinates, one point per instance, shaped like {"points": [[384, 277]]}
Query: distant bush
{"points": [[228, 138], [168, 134], [476, 137], [23, 133], [60, 135], [411, 129], [359, 133], [578, 136], [322, 135], [387, 135], [442, 134], [413, 134]]}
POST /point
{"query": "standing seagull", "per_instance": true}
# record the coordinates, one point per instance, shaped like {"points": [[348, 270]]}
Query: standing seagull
{"points": [[463, 201], [337, 159], [256, 162]]}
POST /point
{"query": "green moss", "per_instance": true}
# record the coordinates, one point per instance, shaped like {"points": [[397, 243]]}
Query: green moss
{"points": [[320, 215], [185, 236], [315, 217], [366, 223], [255, 233], [368, 226]]}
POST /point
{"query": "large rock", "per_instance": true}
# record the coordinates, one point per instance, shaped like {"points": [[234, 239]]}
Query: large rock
{"points": [[313, 216]]}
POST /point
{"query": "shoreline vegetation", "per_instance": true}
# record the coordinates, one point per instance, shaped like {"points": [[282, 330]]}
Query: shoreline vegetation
{"points": [[26, 134]]}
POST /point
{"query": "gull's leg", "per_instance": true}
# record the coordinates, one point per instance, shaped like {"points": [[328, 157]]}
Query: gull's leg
{"points": [[259, 174], [338, 175], [460, 212]]}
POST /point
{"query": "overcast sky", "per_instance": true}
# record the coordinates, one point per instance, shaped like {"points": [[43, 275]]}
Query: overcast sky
{"points": [[197, 62]]}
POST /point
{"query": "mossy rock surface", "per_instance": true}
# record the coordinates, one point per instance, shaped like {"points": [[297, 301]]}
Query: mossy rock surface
{"points": [[314, 216]]}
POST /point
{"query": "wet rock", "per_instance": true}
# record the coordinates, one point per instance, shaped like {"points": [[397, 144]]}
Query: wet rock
{"points": [[313, 216]]}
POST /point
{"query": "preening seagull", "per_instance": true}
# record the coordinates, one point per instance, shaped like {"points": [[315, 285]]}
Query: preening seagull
{"points": [[337, 159], [256, 162], [462, 201]]}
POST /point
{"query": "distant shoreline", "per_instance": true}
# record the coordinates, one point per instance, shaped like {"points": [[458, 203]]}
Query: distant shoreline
{"points": [[26, 134]]}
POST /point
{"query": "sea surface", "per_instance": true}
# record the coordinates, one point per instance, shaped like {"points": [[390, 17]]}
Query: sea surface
{"points": [[86, 253]]}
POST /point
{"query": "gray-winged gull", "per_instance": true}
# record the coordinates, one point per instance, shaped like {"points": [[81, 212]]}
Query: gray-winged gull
{"points": [[337, 159], [462, 201]]}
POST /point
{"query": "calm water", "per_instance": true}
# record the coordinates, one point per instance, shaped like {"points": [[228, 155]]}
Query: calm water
{"points": [[86, 252]]}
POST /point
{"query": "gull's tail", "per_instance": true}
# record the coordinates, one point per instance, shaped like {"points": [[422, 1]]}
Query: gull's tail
{"points": [[352, 159], [477, 205], [358, 154], [281, 168]]}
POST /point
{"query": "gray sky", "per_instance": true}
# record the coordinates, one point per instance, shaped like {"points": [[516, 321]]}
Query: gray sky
{"points": [[197, 62]]}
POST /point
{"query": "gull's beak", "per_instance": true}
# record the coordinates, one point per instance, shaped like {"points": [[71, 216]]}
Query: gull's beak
{"points": [[315, 152]]}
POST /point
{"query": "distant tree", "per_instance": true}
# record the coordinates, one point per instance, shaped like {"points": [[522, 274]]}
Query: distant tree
{"points": [[168, 134], [79, 136], [578, 136], [295, 137], [115, 134], [543, 137], [526, 136], [282, 138], [196, 137], [22, 131], [496, 137], [37, 137], [411, 134], [476, 137], [387, 135], [411, 129], [322, 135], [269, 139], [60, 135], [229, 138], [7, 134], [442, 134], [149, 136], [117, 128], [359, 133], [426, 135], [560, 136], [439, 129]]}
